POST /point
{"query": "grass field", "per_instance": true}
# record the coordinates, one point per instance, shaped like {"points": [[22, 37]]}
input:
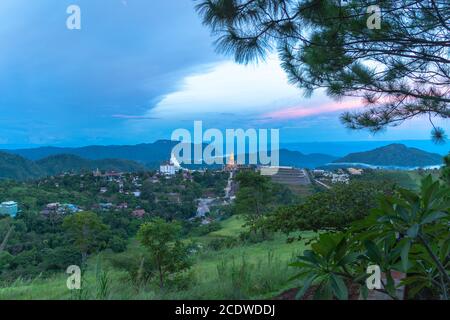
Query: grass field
{"points": [[246, 271]]}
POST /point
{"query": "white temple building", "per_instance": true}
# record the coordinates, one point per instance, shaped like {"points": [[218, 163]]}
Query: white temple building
{"points": [[170, 168]]}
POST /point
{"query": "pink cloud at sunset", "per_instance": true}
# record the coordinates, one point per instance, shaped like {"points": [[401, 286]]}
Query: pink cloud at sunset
{"points": [[301, 112]]}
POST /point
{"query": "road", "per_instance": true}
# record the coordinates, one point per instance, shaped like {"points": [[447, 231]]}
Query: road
{"points": [[322, 184]]}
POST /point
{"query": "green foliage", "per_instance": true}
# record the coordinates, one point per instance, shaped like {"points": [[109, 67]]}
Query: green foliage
{"points": [[87, 232], [254, 195], [404, 179], [18, 168], [40, 245], [400, 69], [168, 254], [445, 175], [326, 264], [240, 279], [218, 244], [407, 232], [257, 196], [139, 268], [58, 164], [196, 229], [103, 282], [333, 209], [215, 181]]}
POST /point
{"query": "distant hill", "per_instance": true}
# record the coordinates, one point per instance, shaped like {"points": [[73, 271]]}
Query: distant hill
{"points": [[145, 153], [296, 159], [54, 160], [342, 148], [394, 155], [300, 160], [152, 154], [66, 162], [18, 168]]}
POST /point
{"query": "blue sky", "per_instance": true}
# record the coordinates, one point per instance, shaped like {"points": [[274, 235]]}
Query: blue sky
{"points": [[137, 70]]}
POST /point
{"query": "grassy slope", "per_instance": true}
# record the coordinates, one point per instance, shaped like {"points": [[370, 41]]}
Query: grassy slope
{"points": [[205, 269], [245, 272]]}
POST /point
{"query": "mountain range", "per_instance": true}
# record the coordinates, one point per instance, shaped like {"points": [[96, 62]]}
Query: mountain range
{"points": [[15, 167], [145, 153], [394, 155], [39, 162]]}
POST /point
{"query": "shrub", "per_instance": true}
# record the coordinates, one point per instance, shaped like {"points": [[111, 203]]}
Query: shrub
{"points": [[408, 232]]}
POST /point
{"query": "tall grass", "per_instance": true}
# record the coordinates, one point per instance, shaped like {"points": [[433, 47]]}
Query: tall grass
{"points": [[239, 278], [244, 271], [102, 282]]}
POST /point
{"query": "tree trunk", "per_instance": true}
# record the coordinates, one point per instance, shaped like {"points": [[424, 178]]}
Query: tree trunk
{"points": [[5, 240], [161, 277], [84, 258]]}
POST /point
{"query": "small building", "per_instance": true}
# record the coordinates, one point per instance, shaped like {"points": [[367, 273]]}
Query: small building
{"points": [[71, 208], [167, 169], [51, 209], [139, 213], [207, 221], [122, 206], [318, 173], [155, 180], [9, 208], [171, 167], [103, 190], [106, 206], [97, 173], [355, 172], [340, 178], [137, 193], [113, 174], [53, 206]]}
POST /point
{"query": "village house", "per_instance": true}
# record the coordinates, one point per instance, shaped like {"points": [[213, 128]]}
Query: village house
{"points": [[171, 167], [355, 172], [207, 221], [106, 206], [9, 208], [137, 193], [113, 174], [60, 209], [122, 206], [139, 213], [340, 178]]}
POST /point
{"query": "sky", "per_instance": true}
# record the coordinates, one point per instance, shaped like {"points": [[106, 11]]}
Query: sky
{"points": [[139, 69]]}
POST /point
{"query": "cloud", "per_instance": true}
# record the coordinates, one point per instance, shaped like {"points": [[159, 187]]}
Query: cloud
{"points": [[113, 70], [229, 88], [133, 117], [326, 107], [256, 93]]}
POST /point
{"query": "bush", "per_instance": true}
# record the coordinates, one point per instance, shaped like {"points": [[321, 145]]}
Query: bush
{"points": [[256, 236], [117, 244], [181, 281], [140, 269], [222, 243], [203, 230], [238, 279], [408, 233]]}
